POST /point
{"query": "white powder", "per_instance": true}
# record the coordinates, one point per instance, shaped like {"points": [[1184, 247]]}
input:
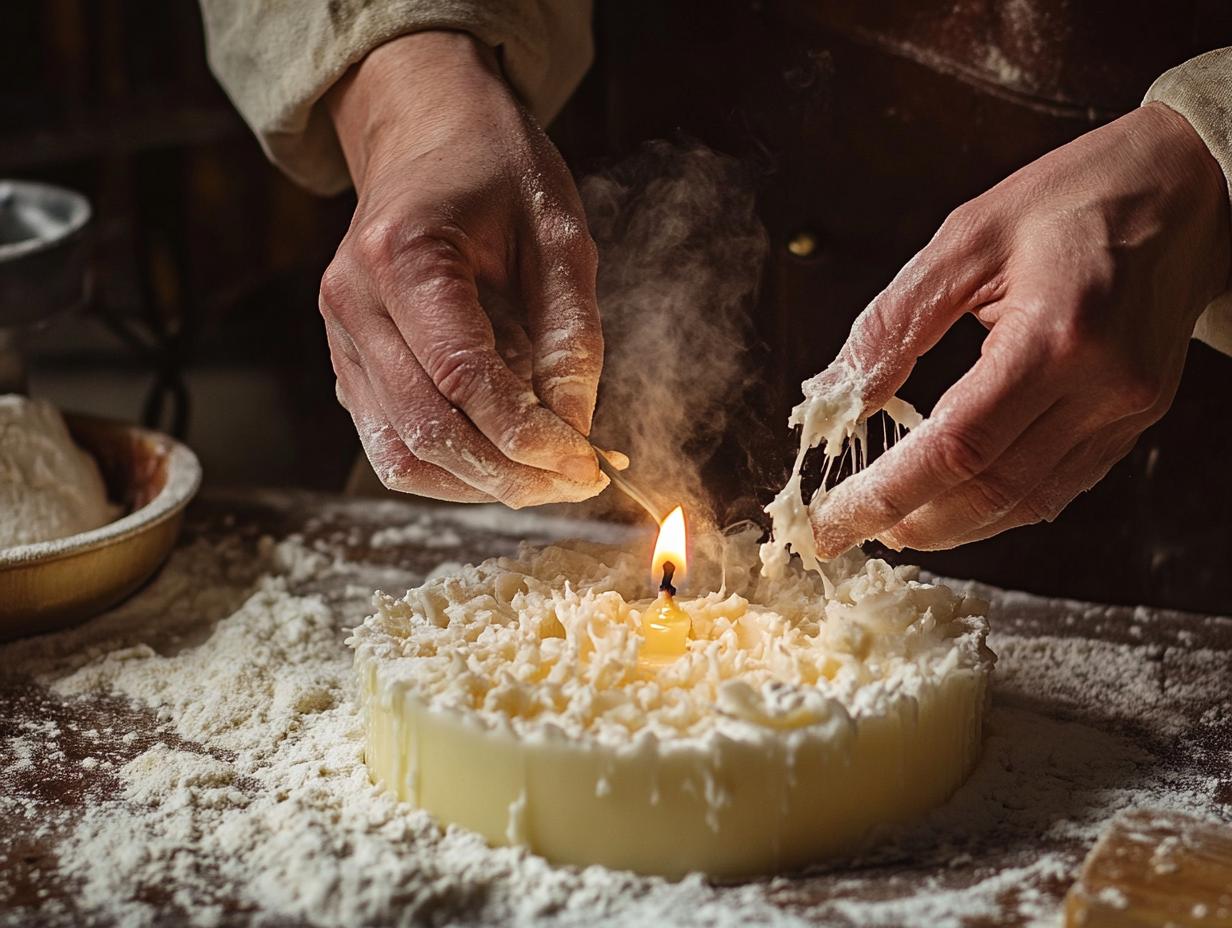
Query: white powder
{"points": [[49, 488], [240, 797]]}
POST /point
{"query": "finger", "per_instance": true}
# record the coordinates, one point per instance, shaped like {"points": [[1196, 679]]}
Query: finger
{"points": [[395, 466], [509, 329], [955, 273], [431, 428], [429, 291], [514, 347], [992, 494], [1085, 466], [437, 432], [558, 280], [974, 423]]}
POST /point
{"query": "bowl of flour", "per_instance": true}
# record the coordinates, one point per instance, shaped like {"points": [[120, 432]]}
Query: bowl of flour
{"points": [[89, 509]]}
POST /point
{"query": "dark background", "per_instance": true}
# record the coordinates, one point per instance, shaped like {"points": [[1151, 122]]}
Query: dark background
{"points": [[864, 124]]}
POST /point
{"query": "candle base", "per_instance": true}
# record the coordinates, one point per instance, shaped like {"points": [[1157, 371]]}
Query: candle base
{"points": [[535, 701], [665, 631]]}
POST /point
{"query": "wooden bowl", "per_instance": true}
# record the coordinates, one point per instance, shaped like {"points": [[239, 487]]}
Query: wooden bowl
{"points": [[51, 584]]}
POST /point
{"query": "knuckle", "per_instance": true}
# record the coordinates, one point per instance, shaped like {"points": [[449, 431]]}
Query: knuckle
{"points": [[460, 374], [959, 454], [437, 253], [388, 247], [335, 293], [963, 229], [428, 438], [377, 243], [990, 499]]}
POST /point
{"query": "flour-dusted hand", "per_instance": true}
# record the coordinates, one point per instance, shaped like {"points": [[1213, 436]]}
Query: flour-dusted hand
{"points": [[460, 307], [1090, 268]]}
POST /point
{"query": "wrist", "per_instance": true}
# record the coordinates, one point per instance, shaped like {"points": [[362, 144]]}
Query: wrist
{"points": [[405, 85], [1198, 181]]}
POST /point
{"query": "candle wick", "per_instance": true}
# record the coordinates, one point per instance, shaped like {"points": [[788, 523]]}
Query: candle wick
{"points": [[666, 586]]}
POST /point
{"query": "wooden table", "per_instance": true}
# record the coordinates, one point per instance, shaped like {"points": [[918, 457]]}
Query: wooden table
{"points": [[1171, 665]]}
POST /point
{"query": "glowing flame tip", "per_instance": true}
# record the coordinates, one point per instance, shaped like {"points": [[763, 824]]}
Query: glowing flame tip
{"points": [[671, 546]]}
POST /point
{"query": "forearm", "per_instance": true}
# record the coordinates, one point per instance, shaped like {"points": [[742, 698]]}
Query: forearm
{"points": [[278, 61]]}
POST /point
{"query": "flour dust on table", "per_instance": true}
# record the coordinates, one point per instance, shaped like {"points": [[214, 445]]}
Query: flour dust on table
{"points": [[194, 757]]}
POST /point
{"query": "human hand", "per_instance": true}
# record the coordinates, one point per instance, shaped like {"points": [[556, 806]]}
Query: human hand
{"points": [[1090, 268], [460, 307]]}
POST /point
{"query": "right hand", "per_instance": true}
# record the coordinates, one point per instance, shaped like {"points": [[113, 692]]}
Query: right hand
{"points": [[460, 307], [1090, 267]]}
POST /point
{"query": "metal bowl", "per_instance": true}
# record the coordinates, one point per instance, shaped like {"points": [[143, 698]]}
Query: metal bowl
{"points": [[44, 251], [52, 584]]}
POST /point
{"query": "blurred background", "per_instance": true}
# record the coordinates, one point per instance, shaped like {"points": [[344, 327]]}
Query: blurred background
{"points": [[861, 126], [204, 320]]}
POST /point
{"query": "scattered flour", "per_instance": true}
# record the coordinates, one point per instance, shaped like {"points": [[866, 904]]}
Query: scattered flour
{"points": [[237, 793], [49, 488]]}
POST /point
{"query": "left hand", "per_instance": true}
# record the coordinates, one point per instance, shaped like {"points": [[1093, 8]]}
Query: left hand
{"points": [[460, 307], [1090, 267]]}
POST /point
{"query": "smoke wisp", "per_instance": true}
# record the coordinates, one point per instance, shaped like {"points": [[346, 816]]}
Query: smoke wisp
{"points": [[681, 254]]}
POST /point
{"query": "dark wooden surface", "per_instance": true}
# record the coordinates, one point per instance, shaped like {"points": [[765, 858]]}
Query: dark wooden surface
{"points": [[1187, 659]]}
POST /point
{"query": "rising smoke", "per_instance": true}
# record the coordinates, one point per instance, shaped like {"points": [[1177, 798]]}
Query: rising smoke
{"points": [[681, 253]]}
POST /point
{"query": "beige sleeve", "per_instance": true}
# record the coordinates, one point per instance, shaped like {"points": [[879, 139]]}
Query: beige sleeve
{"points": [[1201, 91], [277, 58]]}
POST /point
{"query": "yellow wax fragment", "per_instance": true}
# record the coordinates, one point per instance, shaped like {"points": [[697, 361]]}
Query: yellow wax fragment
{"points": [[1154, 868]]}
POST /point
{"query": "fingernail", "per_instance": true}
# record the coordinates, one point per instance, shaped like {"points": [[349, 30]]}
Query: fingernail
{"points": [[618, 459], [581, 469]]}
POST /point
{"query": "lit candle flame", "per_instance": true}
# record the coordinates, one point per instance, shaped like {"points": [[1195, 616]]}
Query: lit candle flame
{"points": [[670, 547], [665, 626]]}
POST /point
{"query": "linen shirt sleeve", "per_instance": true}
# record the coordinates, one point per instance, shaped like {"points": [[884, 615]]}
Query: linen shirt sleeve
{"points": [[1201, 91], [277, 59]]}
